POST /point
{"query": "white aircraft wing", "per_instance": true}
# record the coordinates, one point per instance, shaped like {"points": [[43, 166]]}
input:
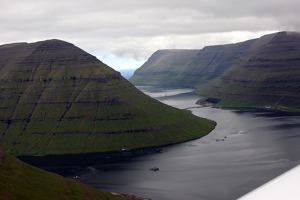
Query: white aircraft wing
{"points": [[284, 187]]}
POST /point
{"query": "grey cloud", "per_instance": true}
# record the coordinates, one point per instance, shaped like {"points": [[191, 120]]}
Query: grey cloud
{"points": [[136, 27]]}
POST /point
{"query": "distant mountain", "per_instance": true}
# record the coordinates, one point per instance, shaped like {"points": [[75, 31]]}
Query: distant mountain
{"points": [[22, 181], [126, 73], [263, 72], [57, 99], [188, 67]]}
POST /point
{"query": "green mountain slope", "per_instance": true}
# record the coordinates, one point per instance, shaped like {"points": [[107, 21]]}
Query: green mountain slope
{"points": [[268, 75], [188, 68], [263, 72], [22, 181], [164, 67], [57, 99]]}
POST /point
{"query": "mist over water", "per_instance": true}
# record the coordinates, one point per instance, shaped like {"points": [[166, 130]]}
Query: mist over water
{"points": [[247, 148]]}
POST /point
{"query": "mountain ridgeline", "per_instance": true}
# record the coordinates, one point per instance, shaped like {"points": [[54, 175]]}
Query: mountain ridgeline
{"points": [[263, 72], [57, 99]]}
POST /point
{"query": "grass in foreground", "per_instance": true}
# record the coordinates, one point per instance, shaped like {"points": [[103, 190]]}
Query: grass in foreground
{"points": [[20, 181]]}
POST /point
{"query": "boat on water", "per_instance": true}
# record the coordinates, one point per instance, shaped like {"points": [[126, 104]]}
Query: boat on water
{"points": [[155, 169]]}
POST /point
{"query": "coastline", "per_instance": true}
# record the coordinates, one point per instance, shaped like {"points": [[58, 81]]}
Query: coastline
{"points": [[207, 102]]}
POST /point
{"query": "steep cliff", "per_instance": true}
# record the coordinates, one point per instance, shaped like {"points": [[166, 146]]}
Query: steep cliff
{"points": [[164, 67], [268, 75], [263, 72], [57, 99], [187, 68]]}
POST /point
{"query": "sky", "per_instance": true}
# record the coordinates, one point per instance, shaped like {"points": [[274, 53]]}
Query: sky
{"points": [[124, 33]]}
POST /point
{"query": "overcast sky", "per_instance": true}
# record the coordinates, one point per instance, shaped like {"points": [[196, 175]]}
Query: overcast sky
{"points": [[124, 33]]}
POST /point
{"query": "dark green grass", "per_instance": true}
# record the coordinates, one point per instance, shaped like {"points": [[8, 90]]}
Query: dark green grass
{"points": [[56, 101], [22, 181]]}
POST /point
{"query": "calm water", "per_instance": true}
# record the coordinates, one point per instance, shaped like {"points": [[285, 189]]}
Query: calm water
{"points": [[247, 149]]}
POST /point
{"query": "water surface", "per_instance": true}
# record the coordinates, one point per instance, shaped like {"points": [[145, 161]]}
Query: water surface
{"points": [[247, 149]]}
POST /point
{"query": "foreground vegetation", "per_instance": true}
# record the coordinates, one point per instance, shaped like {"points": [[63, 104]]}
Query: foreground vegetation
{"points": [[22, 181]]}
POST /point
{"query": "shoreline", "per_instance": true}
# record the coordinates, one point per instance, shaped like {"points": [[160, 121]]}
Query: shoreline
{"points": [[211, 102], [98, 157]]}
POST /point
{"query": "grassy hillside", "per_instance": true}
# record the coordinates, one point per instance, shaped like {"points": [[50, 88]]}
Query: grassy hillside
{"points": [[188, 68], [22, 181], [268, 75], [57, 99], [164, 67], [263, 72]]}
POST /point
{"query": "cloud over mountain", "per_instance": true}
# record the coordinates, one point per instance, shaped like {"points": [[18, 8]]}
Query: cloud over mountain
{"points": [[135, 28]]}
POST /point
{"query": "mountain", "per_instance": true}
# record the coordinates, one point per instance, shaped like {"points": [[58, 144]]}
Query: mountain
{"points": [[126, 73], [187, 68], [263, 72], [57, 99], [268, 75], [164, 67], [22, 181]]}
